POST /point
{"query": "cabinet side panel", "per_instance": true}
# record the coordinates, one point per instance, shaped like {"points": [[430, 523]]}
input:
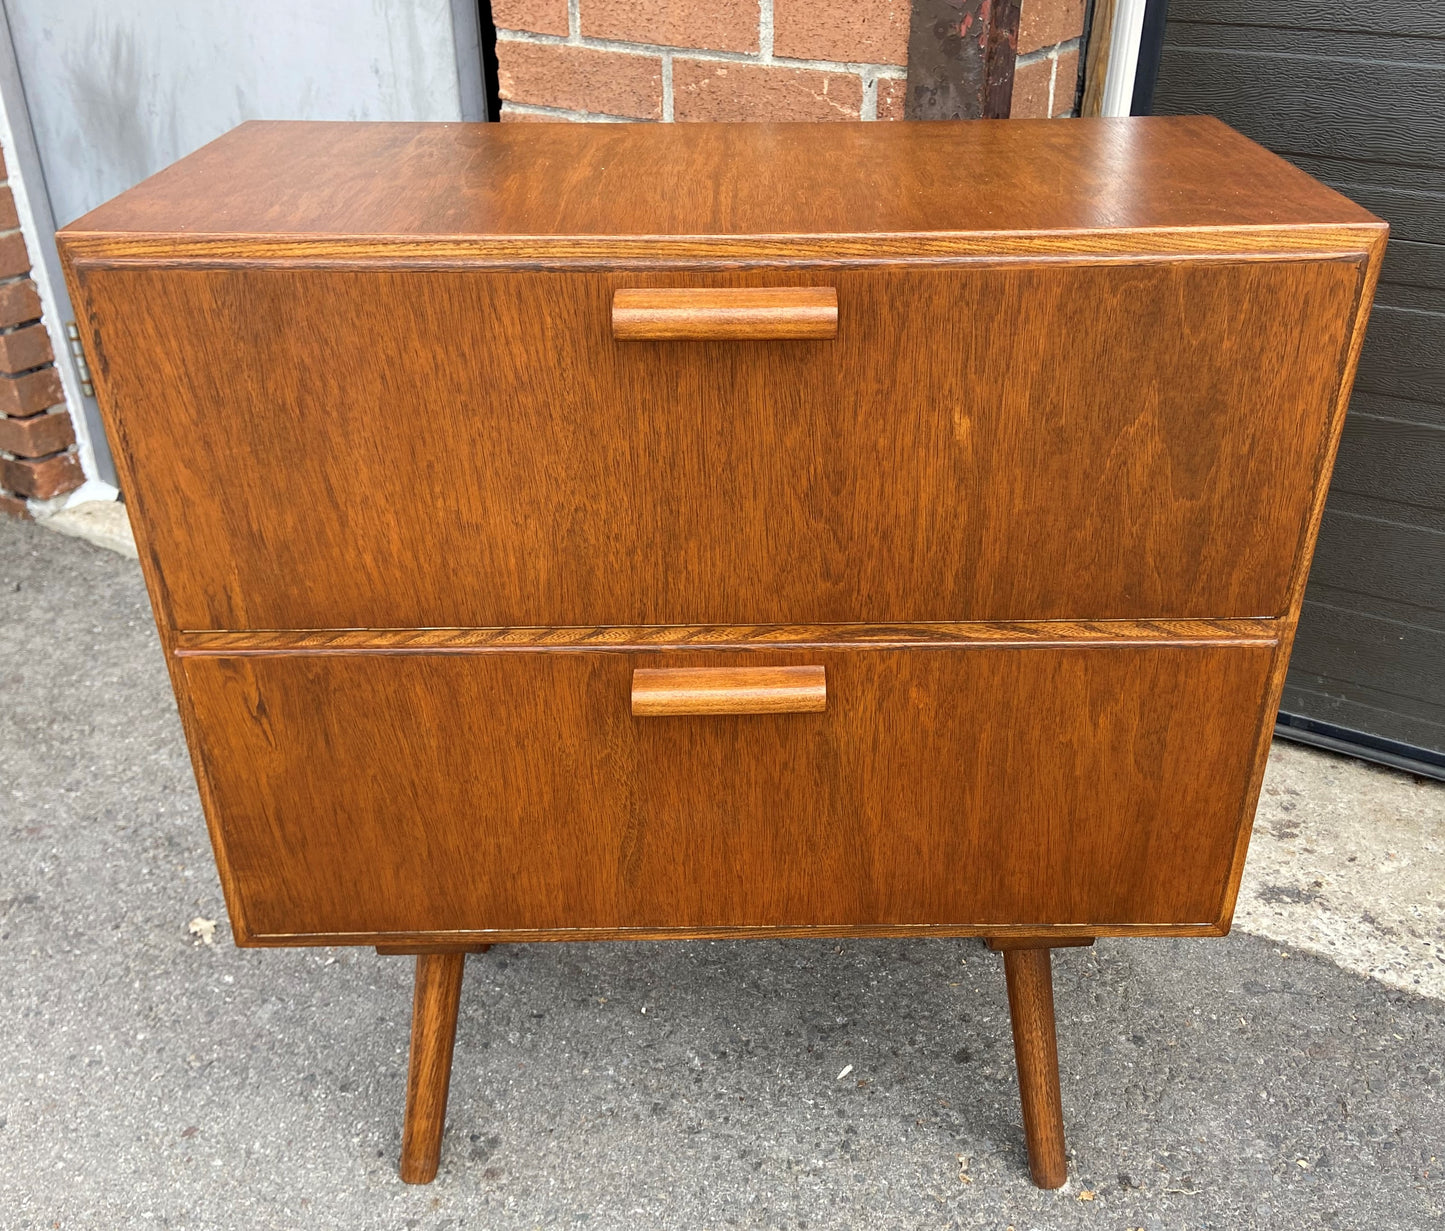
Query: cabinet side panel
{"points": [[151, 559], [1349, 359]]}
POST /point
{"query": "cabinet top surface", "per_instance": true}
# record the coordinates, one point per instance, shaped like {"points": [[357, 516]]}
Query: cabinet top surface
{"points": [[274, 179]]}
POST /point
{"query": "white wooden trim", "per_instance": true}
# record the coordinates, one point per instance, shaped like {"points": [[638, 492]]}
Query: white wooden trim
{"points": [[1123, 57]]}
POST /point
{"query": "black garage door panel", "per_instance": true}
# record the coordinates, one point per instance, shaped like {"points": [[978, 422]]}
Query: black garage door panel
{"points": [[1404, 355], [1414, 264], [1355, 95], [1373, 557], [1321, 107], [1384, 16], [1337, 648], [1342, 643], [1409, 198], [1399, 458]]}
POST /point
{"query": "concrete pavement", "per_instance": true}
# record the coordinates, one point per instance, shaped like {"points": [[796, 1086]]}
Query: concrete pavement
{"points": [[149, 1080]]}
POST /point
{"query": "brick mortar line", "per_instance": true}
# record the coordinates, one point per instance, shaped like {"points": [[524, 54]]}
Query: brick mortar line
{"points": [[44, 457], [1052, 52], [1051, 56], [566, 113], [859, 67]]}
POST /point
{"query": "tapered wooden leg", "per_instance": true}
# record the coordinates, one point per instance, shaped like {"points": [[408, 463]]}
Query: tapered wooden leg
{"points": [[433, 1035], [1031, 1005]]}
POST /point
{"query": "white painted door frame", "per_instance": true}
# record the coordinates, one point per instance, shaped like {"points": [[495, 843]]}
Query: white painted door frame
{"points": [[1123, 57]]}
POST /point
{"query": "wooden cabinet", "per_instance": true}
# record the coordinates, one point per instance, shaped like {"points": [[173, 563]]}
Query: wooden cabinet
{"points": [[611, 531]]}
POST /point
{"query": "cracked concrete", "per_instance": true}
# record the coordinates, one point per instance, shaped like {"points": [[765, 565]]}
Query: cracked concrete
{"points": [[150, 1080]]}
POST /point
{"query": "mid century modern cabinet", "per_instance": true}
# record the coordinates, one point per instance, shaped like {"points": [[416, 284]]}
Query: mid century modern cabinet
{"points": [[611, 531]]}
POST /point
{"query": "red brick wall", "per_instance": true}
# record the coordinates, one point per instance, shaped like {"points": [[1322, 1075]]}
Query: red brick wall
{"points": [[37, 439], [702, 59], [745, 59], [1047, 70]]}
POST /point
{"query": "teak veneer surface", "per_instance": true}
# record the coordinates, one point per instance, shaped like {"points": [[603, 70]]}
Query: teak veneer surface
{"points": [[375, 428], [712, 313], [318, 180], [667, 692], [475, 449], [620, 638], [360, 795], [1028, 520]]}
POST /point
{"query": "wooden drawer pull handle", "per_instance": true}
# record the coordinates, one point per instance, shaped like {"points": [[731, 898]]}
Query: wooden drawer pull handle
{"points": [[728, 690], [725, 312]]}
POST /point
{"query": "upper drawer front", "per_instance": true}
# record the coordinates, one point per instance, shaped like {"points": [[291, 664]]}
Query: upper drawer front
{"points": [[469, 448]]}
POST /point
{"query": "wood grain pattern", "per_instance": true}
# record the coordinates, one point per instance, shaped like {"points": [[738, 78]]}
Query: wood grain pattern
{"points": [[1317, 241], [1003, 41], [1036, 940], [435, 941], [466, 183], [1335, 635], [1349, 362], [1385, 111], [429, 1071], [413, 520], [404, 950], [1036, 1052], [725, 636], [983, 789], [1100, 43], [674, 692], [1369, 557], [662, 314], [1151, 432]]}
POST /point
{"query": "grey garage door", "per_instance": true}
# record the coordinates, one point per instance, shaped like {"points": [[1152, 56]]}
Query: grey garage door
{"points": [[1355, 94]]}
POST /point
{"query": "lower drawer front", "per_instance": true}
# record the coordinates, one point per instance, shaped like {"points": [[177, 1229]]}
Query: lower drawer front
{"points": [[366, 794]]}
